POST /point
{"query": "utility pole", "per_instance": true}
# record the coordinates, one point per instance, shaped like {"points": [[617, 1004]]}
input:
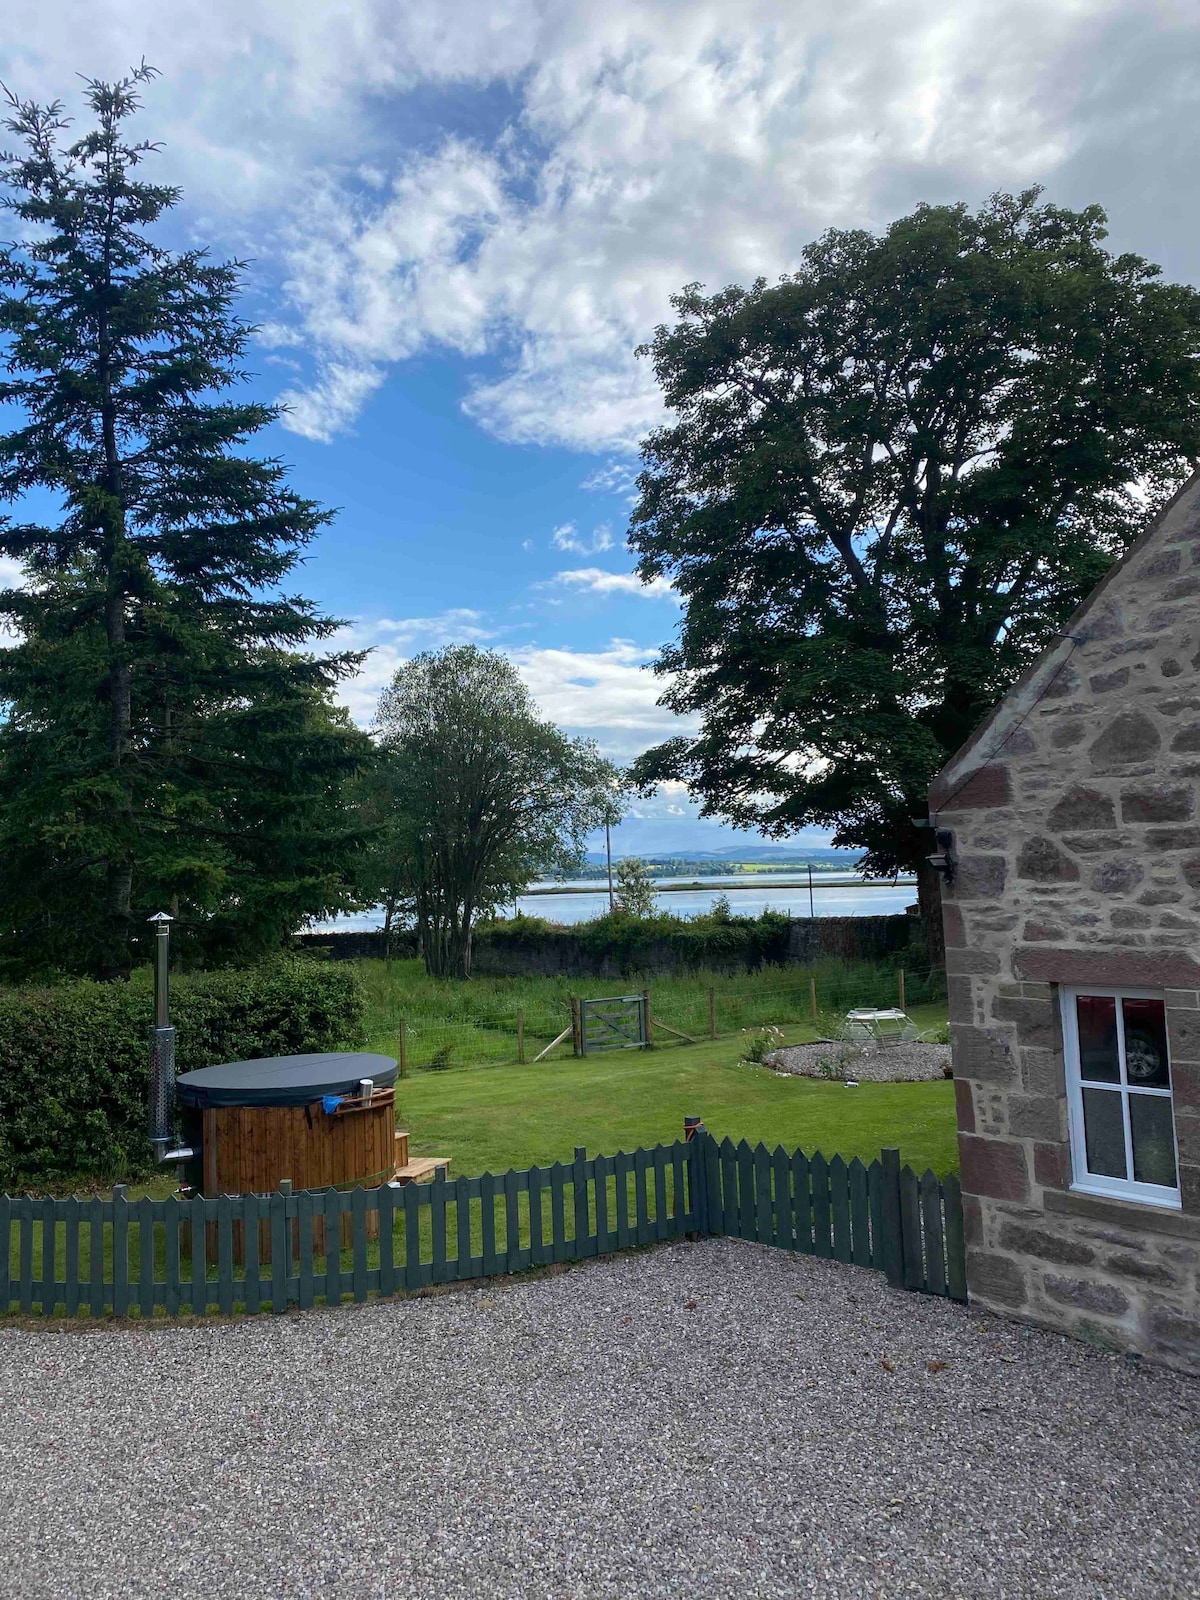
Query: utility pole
{"points": [[612, 904], [811, 912]]}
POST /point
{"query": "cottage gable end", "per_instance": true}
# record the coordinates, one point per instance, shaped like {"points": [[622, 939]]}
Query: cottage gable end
{"points": [[1074, 813]]}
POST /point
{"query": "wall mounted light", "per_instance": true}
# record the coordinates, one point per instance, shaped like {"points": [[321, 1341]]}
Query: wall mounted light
{"points": [[942, 860]]}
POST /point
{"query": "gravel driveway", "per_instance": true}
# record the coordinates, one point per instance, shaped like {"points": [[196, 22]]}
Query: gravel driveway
{"points": [[711, 1418]]}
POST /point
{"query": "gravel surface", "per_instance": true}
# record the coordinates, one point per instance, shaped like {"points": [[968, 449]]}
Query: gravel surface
{"points": [[887, 1063], [713, 1418]]}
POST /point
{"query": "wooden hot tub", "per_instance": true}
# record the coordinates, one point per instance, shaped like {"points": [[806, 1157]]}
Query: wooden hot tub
{"points": [[303, 1118]]}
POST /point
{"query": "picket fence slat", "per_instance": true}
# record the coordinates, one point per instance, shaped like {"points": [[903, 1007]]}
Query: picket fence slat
{"points": [[120, 1254], [860, 1215], [641, 1199], [662, 1222], [910, 1229], [199, 1257], [537, 1246], [763, 1230], [47, 1298], [931, 1232], [822, 1223], [439, 1266], [144, 1215], [802, 1202], [6, 1260], [387, 1240], [558, 1211], [839, 1193], [487, 1203], [580, 1197], [412, 1235], [882, 1216], [956, 1253], [512, 1220], [225, 1255], [96, 1257]]}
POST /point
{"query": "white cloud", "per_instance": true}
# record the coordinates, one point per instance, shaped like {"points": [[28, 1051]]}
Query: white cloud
{"points": [[567, 537], [392, 642], [11, 577], [526, 184], [606, 694], [593, 580], [615, 477]]}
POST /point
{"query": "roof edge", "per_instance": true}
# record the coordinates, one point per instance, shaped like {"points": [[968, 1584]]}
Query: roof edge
{"points": [[1061, 646]]}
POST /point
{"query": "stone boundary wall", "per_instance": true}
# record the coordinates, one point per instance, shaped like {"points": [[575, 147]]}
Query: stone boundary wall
{"points": [[809, 939]]}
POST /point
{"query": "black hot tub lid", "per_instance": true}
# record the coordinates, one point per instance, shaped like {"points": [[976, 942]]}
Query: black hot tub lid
{"points": [[282, 1080]]}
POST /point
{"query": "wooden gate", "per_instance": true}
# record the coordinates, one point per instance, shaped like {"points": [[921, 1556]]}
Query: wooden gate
{"points": [[617, 1024]]}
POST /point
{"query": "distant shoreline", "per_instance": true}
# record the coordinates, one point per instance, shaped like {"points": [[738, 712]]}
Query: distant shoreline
{"points": [[685, 886]]}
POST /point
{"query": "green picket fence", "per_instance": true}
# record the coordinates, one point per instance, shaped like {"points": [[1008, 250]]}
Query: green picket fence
{"points": [[252, 1252]]}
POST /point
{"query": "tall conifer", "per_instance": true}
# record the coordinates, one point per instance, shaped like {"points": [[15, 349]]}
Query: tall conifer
{"points": [[167, 734]]}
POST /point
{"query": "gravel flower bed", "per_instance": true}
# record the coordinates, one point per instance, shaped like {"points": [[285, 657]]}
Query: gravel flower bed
{"points": [[887, 1063], [700, 1419]]}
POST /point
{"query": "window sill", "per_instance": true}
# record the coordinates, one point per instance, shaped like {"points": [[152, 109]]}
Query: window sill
{"points": [[1122, 1213]]}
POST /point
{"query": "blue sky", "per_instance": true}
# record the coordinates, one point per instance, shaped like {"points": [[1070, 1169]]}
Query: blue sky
{"points": [[462, 218]]}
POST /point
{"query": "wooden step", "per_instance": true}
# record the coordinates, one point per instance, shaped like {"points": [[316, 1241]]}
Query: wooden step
{"points": [[421, 1168]]}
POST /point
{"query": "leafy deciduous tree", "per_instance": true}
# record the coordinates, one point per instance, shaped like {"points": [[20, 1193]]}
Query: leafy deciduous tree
{"points": [[486, 794], [892, 477], [635, 888]]}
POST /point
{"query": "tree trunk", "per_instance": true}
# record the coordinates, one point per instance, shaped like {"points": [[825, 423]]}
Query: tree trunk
{"points": [[929, 898], [115, 957]]}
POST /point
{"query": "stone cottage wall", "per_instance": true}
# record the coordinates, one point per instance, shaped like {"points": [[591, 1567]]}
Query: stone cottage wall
{"points": [[1077, 831]]}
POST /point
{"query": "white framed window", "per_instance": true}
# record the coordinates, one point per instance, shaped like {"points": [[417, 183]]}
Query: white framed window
{"points": [[1119, 1095]]}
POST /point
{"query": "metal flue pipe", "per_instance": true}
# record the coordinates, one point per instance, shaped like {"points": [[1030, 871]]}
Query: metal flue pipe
{"points": [[162, 1051]]}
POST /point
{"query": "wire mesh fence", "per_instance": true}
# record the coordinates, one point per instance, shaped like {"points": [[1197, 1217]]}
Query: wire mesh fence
{"points": [[535, 1021]]}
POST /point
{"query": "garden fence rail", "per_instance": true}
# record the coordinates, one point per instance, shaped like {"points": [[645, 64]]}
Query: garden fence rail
{"points": [[186, 1256]]}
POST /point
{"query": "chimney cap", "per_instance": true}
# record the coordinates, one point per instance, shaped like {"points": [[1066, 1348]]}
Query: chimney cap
{"points": [[161, 916]]}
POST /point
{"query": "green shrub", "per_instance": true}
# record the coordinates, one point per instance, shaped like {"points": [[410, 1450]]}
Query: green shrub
{"points": [[74, 1057]]}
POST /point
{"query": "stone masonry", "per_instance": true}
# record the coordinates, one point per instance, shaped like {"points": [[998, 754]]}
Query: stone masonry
{"points": [[1075, 810]]}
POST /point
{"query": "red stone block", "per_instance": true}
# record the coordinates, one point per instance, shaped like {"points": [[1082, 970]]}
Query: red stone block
{"points": [[1052, 1165], [981, 790], [993, 1167]]}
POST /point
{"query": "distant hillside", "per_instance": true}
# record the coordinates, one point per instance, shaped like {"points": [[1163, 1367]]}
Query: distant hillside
{"points": [[728, 860]]}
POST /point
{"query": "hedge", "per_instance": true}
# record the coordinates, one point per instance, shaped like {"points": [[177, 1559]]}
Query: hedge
{"points": [[637, 944], [74, 1057]]}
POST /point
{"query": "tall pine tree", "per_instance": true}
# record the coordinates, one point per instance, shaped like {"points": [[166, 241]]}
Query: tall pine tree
{"points": [[168, 736]]}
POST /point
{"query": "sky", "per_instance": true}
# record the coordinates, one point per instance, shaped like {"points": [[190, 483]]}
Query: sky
{"points": [[461, 219]]}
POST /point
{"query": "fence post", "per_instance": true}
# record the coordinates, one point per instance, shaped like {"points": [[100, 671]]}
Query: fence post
{"points": [[695, 1136], [521, 1037], [902, 988], [812, 995], [403, 1049], [577, 1025], [712, 1012], [648, 1019], [893, 1238]]}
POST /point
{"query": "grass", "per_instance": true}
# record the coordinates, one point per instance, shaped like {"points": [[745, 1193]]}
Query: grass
{"points": [[487, 1113], [476, 1022], [492, 1119]]}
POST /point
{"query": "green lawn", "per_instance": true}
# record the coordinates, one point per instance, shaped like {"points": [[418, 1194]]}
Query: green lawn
{"points": [[492, 1118], [488, 1113], [476, 1022]]}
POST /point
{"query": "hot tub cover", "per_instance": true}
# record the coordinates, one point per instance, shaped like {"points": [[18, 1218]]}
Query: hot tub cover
{"points": [[282, 1080]]}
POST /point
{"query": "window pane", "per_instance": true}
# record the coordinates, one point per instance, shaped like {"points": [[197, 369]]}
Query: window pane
{"points": [[1153, 1139], [1098, 1058], [1146, 1044], [1104, 1132]]}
